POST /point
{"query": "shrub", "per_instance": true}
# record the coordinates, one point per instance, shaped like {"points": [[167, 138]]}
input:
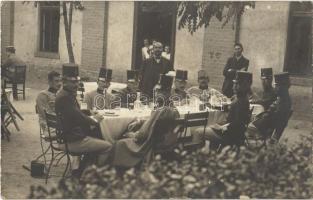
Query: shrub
{"points": [[275, 172]]}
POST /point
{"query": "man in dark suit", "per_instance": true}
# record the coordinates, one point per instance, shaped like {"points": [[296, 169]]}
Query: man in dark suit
{"points": [[276, 117], [236, 63], [268, 95], [78, 128], [152, 68]]}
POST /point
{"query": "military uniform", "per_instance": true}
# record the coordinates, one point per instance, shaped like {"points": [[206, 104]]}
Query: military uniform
{"points": [[128, 95], [45, 102], [267, 98], [8, 68], [76, 125], [237, 119], [204, 95], [268, 95], [180, 95], [100, 99], [235, 64], [276, 117]]}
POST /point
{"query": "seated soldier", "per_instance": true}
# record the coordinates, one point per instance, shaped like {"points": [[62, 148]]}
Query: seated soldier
{"points": [[100, 98], [276, 117], [46, 99], [78, 129], [162, 91], [268, 95], [7, 68], [179, 93], [231, 132], [203, 92], [128, 95]]}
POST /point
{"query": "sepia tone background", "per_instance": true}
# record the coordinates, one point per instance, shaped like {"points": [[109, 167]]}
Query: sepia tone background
{"points": [[110, 34]]}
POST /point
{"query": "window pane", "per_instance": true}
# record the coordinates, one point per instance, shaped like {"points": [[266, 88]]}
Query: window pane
{"points": [[49, 29]]}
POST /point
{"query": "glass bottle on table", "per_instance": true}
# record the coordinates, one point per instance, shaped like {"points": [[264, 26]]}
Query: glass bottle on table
{"points": [[137, 103]]}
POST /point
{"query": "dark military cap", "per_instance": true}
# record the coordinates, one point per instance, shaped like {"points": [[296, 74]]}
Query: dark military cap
{"points": [[132, 75], [166, 81], [105, 74], [242, 77], [202, 74], [181, 75], [70, 71], [266, 73], [10, 49], [282, 78]]}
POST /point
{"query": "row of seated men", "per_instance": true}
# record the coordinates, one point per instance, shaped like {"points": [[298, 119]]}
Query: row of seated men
{"points": [[84, 135]]}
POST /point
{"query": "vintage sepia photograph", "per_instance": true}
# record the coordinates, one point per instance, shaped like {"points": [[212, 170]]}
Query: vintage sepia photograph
{"points": [[156, 99]]}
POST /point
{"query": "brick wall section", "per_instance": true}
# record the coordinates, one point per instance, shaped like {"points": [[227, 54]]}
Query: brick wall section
{"points": [[93, 36], [6, 26], [218, 47]]}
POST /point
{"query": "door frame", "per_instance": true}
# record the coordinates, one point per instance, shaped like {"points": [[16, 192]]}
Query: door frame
{"points": [[135, 34]]}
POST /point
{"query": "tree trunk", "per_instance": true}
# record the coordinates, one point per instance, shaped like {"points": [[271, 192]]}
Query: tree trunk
{"points": [[68, 27]]}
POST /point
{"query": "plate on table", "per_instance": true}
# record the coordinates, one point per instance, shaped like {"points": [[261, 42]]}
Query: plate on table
{"points": [[109, 113]]}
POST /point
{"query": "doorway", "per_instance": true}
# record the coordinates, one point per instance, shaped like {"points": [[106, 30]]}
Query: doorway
{"points": [[299, 43], [153, 20]]}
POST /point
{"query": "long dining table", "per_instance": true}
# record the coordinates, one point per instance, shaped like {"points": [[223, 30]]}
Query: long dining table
{"points": [[115, 122]]}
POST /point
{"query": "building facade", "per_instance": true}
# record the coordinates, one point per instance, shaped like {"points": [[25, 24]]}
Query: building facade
{"points": [[110, 34]]}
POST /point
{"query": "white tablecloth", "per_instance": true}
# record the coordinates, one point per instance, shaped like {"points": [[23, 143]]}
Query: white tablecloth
{"points": [[115, 122], [90, 86], [257, 109]]}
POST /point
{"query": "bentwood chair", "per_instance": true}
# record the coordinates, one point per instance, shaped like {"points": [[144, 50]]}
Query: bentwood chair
{"points": [[18, 77], [192, 121], [45, 142], [54, 125], [241, 140], [9, 115]]}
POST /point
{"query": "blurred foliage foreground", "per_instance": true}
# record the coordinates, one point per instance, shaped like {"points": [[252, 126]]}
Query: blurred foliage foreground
{"points": [[273, 172]]}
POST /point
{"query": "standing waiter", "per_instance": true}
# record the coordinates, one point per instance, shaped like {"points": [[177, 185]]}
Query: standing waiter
{"points": [[236, 63]]}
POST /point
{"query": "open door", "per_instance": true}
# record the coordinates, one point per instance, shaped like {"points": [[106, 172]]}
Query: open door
{"points": [[153, 20]]}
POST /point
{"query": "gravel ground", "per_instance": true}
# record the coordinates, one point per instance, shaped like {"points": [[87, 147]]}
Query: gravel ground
{"points": [[25, 146]]}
